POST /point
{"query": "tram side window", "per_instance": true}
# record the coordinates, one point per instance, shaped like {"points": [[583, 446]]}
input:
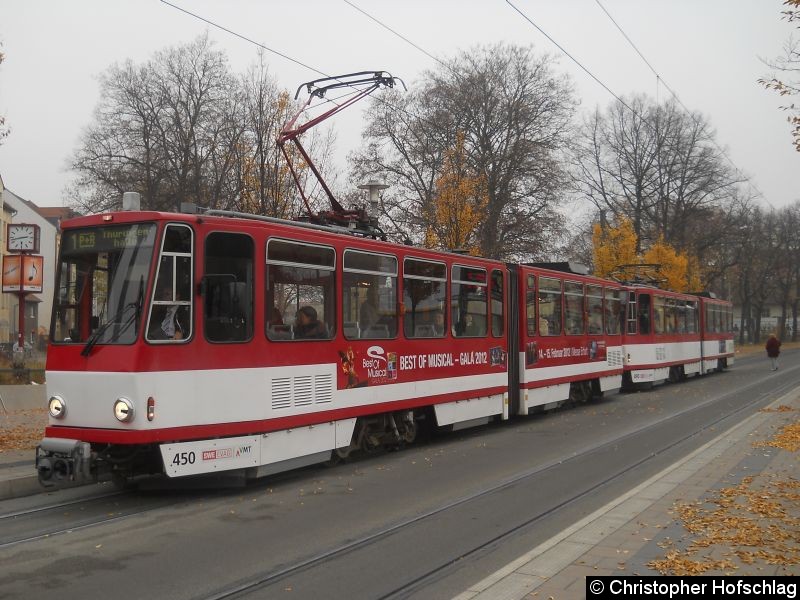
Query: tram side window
{"points": [[424, 298], [670, 316], [692, 318], [171, 307], [594, 307], [497, 303], [709, 318], [530, 305], [369, 295], [613, 312], [573, 305], [301, 290], [228, 287], [659, 308], [643, 313], [468, 301], [550, 313], [632, 312]]}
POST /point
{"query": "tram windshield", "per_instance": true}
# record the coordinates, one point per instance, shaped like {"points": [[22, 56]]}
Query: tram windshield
{"points": [[101, 281]]}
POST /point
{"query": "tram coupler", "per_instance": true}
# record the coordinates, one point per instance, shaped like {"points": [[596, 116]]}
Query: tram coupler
{"points": [[61, 461]]}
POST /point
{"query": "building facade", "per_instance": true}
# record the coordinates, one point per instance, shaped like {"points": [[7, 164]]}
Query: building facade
{"points": [[39, 306]]}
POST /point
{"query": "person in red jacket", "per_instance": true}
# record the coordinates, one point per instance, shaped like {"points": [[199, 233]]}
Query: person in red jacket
{"points": [[773, 350]]}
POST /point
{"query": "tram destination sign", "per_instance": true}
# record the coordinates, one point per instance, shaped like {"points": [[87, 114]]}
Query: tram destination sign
{"points": [[107, 239]]}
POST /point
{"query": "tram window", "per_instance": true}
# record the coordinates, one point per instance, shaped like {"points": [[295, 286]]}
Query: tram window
{"points": [[101, 279], [613, 311], [497, 303], [424, 298], [228, 287], [301, 288], [550, 310], [171, 308], [530, 305], [682, 314], [632, 308], [659, 309], [692, 318], [643, 313], [573, 305], [468, 302], [369, 295], [670, 317], [594, 308]]}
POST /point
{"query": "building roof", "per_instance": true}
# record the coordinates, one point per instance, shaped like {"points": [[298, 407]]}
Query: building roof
{"points": [[52, 214], [55, 214]]}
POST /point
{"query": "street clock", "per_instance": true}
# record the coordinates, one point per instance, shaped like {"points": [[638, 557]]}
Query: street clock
{"points": [[23, 237]]}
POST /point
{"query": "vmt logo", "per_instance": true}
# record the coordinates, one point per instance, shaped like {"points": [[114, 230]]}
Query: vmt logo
{"points": [[243, 450]]}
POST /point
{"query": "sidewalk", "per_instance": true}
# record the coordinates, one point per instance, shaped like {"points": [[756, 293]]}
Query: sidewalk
{"points": [[21, 429], [730, 507]]}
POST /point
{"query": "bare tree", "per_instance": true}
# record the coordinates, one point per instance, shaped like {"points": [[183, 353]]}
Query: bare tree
{"points": [[3, 128], [182, 128], [661, 169], [787, 82], [615, 156], [266, 187], [786, 272], [514, 113]]}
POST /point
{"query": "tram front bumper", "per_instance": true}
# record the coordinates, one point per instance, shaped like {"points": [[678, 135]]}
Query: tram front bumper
{"points": [[61, 461]]}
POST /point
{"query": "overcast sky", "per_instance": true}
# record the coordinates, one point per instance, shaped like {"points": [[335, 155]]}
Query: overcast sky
{"points": [[707, 51]]}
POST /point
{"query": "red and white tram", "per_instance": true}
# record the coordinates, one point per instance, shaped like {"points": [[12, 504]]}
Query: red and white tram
{"points": [[568, 336], [668, 335], [716, 324], [199, 343]]}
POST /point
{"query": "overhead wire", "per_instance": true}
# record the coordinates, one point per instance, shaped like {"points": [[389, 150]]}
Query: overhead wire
{"points": [[401, 36], [691, 115], [247, 39], [296, 61], [572, 58]]}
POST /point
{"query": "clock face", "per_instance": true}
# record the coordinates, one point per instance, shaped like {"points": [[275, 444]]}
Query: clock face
{"points": [[22, 237]]}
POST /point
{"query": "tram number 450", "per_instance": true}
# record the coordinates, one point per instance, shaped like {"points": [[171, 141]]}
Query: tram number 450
{"points": [[183, 458]]}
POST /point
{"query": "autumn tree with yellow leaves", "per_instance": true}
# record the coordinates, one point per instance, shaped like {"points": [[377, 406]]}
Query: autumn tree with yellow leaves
{"points": [[614, 246], [459, 204], [678, 271]]}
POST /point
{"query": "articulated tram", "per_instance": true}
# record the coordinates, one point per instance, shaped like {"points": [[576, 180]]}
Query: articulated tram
{"points": [[197, 343]]}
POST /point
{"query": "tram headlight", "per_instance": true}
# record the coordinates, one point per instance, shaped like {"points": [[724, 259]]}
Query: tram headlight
{"points": [[56, 407], [123, 410]]}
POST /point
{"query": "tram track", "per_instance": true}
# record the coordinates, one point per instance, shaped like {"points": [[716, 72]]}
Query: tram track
{"points": [[92, 512], [442, 568]]}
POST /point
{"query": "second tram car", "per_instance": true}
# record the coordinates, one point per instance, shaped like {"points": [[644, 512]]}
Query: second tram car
{"points": [[197, 343]]}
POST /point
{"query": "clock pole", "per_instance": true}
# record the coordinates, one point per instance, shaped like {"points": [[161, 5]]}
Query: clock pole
{"points": [[22, 292]]}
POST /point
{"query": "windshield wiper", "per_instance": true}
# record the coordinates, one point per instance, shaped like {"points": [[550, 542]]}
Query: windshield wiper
{"points": [[93, 339], [105, 326]]}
